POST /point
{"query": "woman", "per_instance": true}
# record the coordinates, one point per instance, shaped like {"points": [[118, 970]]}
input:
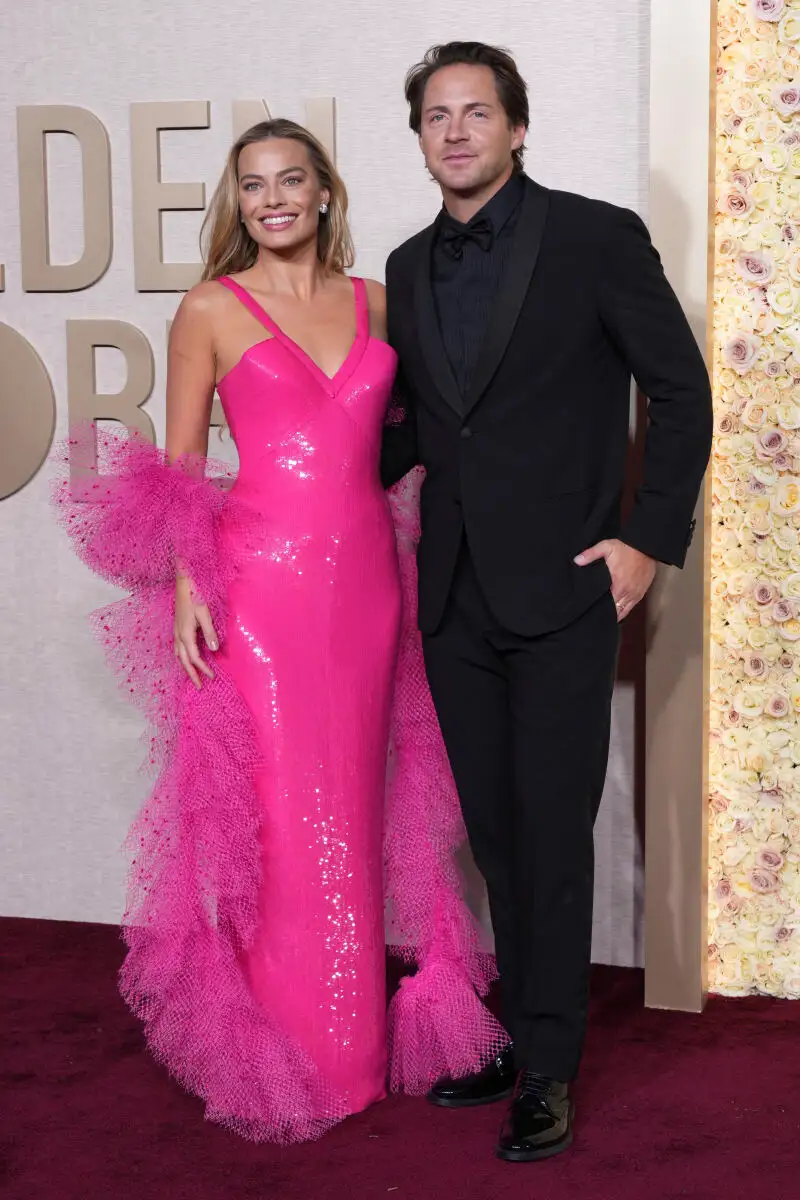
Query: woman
{"points": [[256, 923]]}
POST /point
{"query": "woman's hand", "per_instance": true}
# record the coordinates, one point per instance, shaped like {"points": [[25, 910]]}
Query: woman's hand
{"points": [[189, 615]]}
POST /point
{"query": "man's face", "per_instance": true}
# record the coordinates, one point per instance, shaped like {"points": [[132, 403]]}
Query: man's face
{"points": [[465, 135]]}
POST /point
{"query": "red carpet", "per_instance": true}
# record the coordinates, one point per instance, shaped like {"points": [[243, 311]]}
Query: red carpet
{"points": [[669, 1105]]}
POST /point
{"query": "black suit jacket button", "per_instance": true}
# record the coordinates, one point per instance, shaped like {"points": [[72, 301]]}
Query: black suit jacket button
{"points": [[466, 433]]}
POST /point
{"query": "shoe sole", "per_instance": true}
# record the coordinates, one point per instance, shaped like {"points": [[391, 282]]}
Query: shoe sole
{"points": [[534, 1155], [442, 1102]]}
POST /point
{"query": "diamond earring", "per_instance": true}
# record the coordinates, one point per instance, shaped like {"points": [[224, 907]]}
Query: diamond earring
{"points": [[323, 208]]}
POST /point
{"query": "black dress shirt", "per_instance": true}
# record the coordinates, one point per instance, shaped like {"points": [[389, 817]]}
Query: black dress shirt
{"points": [[465, 277]]}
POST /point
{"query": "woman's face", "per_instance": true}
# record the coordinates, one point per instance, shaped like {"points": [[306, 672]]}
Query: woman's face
{"points": [[279, 194]]}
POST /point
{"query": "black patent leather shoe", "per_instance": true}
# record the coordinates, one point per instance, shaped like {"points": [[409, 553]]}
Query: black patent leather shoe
{"points": [[539, 1121], [495, 1082]]}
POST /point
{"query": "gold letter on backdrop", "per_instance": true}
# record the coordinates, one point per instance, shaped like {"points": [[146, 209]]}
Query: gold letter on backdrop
{"points": [[85, 403], [27, 411], [320, 119], [152, 197], [34, 122]]}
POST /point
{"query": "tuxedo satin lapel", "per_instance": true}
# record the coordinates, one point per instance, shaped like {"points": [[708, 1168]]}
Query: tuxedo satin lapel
{"points": [[430, 334], [512, 290]]}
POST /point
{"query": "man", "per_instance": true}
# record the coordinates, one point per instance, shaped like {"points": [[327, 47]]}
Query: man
{"points": [[519, 317]]}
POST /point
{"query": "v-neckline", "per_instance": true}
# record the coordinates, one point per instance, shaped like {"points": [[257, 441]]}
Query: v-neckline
{"points": [[331, 383]]}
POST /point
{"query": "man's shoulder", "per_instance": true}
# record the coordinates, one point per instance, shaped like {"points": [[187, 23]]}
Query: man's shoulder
{"points": [[586, 211], [407, 252]]}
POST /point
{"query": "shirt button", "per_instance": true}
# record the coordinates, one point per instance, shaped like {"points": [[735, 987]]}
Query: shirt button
{"points": [[466, 432]]}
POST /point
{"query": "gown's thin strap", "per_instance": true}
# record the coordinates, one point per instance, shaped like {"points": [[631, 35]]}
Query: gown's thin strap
{"points": [[250, 303], [362, 307]]}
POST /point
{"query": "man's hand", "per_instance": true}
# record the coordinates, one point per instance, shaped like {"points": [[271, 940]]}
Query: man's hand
{"points": [[631, 572]]}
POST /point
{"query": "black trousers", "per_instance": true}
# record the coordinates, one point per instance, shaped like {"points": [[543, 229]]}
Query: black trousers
{"points": [[526, 723]]}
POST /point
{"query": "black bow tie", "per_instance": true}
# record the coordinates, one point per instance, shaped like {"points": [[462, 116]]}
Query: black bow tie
{"points": [[455, 236]]}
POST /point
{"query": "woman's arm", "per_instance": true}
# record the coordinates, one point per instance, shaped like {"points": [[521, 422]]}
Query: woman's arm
{"points": [[191, 371]]}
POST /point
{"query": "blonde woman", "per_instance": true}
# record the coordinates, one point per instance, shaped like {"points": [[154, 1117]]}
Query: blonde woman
{"points": [[264, 856]]}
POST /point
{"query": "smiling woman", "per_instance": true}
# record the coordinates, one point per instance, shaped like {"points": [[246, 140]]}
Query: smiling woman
{"points": [[231, 232]]}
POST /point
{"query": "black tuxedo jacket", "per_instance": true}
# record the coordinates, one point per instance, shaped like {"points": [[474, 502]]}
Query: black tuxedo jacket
{"points": [[530, 462]]}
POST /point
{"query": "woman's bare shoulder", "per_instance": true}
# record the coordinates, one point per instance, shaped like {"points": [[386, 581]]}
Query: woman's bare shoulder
{"points": [[376, 294], [376, 302], [204, 299]]}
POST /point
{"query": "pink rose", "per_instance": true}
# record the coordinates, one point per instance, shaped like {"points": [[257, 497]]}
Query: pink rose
{"points": [[789, 233], [769, 859], [783, 610], [735, 203], [755, 666], [783, 462], [763, 881], [786, 661], [772, 442], [742, 179], [791, 139], [756, 487], [767, 10], [741, 351], [774, 368], [764, 592], [718, 803], [734, 906], [755, 266], [723, 889], [778, 706], [713, 952], [786, 99], [783, 934], [728, 424]]}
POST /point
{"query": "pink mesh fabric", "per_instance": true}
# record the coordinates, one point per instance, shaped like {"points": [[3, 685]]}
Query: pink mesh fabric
{"points": [[437, 1022], [195, 865]]}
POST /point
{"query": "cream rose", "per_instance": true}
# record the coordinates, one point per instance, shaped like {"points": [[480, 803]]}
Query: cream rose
{"points": [[785, 500], [775, 158], [789, 28], [754, 415], [782, 298], [787, 414]]}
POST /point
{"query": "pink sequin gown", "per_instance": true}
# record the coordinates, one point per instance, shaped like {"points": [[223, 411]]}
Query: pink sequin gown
{"points": [[307, 786], [313, 626]]}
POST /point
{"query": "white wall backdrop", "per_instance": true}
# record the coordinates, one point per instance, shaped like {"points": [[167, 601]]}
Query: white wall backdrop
{"points": [[68, 740]]}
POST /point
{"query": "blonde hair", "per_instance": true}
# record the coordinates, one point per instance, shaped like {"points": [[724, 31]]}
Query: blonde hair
{"points": [[227, 246]]}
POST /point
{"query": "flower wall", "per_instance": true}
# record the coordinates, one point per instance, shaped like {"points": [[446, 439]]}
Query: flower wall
{"points": [[754, 853]]}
